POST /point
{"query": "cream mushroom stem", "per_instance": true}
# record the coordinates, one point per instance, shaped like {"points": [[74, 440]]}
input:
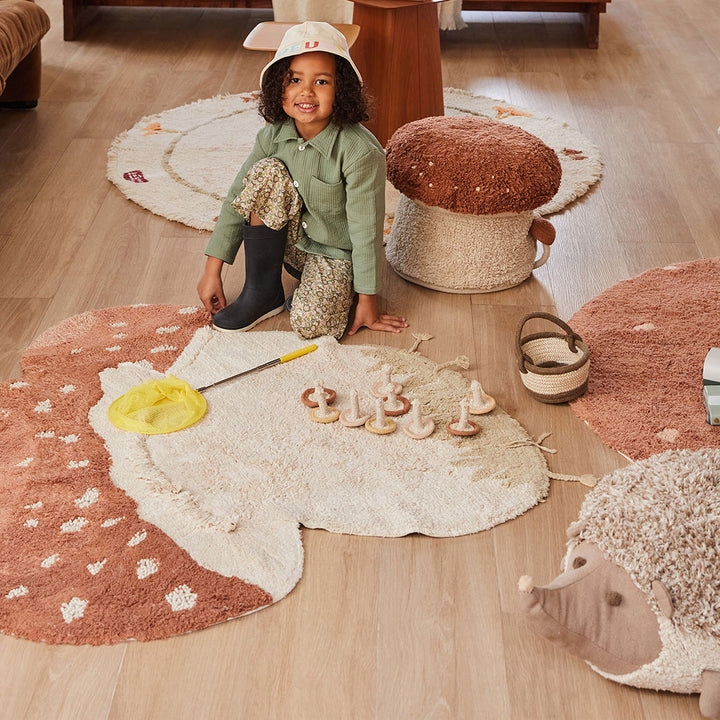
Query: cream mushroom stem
{"points": [[354, 413], [380, 419], [477, 394], [380, 425], [419, 427], [463, 423], [322, 409], [353, 417], [463, 426], [416, 421], [319, 392], [392, 403]]}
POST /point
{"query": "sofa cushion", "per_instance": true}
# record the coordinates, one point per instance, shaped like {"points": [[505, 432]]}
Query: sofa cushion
{"points": [[22, 25]]}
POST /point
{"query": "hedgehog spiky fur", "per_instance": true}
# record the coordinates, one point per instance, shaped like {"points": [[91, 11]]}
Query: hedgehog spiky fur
{"points": [[659, 519]]}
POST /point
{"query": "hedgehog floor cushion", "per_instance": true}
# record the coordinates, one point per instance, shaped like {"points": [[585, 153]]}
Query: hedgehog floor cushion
{"points": [[639, 595]]}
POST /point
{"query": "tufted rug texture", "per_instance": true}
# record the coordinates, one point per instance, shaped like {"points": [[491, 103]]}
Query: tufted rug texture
{"points": [[110, 536], [181, 162], [648, 337]]}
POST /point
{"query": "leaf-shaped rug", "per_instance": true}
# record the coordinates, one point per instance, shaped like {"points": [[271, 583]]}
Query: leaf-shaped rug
{"points": [[111, 535]]}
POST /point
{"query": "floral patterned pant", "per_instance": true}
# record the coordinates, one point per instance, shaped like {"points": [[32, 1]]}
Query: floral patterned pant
{"points": [[322, 302]]}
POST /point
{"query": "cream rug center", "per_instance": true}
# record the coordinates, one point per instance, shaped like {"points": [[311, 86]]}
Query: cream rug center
{"points": [[181, 162], [232, 489]]}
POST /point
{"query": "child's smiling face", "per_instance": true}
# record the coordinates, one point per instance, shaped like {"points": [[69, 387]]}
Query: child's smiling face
{"points": [[310, 92]]}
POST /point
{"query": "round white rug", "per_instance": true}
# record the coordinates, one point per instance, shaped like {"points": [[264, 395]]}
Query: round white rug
{"points": [[181, 162]]}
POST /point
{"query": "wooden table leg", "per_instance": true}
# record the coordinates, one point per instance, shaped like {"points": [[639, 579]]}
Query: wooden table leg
{"points": [[591, 21], [76, 15], [398, 54]]}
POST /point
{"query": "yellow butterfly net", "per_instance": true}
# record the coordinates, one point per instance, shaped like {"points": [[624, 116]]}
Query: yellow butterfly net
{"points": [[157, 407]]}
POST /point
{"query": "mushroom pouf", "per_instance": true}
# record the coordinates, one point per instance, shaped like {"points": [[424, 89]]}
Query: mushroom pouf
{"points": [[638, 599], [465, 222]]}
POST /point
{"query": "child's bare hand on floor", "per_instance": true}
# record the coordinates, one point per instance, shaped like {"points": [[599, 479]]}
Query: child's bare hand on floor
{"points": [[367, 315]]}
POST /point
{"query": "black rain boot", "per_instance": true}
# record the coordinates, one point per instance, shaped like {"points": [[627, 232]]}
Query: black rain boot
{"points": [[263, 295]]}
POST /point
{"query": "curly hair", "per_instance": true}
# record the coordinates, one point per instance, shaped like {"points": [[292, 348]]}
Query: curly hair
{"points": [[352, 103]]}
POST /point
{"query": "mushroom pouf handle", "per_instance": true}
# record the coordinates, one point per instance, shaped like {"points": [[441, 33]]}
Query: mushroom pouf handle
{"points": [[544, 232]]}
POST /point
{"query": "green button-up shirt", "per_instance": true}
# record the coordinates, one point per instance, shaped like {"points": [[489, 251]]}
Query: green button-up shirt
{"points": [[340, 176]]}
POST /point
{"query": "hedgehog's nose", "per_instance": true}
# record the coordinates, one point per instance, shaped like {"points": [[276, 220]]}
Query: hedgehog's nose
{"points": [[529, 595], [526, 584]]}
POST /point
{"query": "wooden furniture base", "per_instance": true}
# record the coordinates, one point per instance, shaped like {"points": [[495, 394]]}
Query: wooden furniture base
{"points": [[398, 54], [590, 11], [77, 13]]}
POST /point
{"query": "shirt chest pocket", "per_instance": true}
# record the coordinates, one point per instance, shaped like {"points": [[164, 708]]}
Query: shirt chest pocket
{"points": [[326, 197]]}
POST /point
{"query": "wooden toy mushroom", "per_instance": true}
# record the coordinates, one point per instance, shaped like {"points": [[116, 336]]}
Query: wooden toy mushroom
{"points": [[480, 401], [419, 426], [323, 413], [466, 219], [353, 417], [464, 426], [385, 385], [395, 404], [311, 395], [380, 425]]}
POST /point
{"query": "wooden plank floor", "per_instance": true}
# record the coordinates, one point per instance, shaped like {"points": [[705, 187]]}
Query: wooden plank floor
{"points": [[386, 629]]}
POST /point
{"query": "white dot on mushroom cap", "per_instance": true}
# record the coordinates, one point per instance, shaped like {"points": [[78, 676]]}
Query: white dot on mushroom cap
{"points": [[431, 163], [429, 184], [421, 174], [73, 610], [477, 189]]}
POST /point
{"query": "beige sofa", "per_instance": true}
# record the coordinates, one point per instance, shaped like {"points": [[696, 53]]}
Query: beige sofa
{"points": [[22, 26]]}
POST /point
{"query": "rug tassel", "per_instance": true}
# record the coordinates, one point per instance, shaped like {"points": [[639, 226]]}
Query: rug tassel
{"points": [[419, 337], [587, 480], [461, 361], [533, 443]]}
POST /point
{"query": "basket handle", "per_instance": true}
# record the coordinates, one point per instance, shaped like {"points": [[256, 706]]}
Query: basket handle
{"points": [[571, 337]]}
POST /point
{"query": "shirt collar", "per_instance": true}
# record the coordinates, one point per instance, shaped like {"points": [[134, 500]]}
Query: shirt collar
{"points": [[323, 142]]}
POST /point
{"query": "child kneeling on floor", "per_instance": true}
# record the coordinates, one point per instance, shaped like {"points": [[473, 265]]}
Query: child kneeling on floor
{"points": [[311, 195]]}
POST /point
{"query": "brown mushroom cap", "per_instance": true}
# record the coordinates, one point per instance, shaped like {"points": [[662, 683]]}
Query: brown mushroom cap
{"points": [[472, 165]]}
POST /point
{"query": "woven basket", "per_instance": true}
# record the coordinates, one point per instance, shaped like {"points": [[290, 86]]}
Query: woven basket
{"points": [[554, 367]]}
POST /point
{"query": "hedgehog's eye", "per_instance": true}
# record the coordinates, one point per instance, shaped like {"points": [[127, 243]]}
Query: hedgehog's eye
{"points": [[613, 598], [578, 562]]}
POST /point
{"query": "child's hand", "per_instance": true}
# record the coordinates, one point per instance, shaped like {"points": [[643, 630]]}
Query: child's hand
{"points": [[210, 287], [367, 315]]}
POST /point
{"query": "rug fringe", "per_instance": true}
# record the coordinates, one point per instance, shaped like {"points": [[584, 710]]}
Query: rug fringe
{"points": [[419, 337], [587, 480]]}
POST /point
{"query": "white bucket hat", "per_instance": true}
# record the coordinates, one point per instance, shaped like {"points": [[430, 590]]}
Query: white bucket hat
{"points": [[312, 37]]}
